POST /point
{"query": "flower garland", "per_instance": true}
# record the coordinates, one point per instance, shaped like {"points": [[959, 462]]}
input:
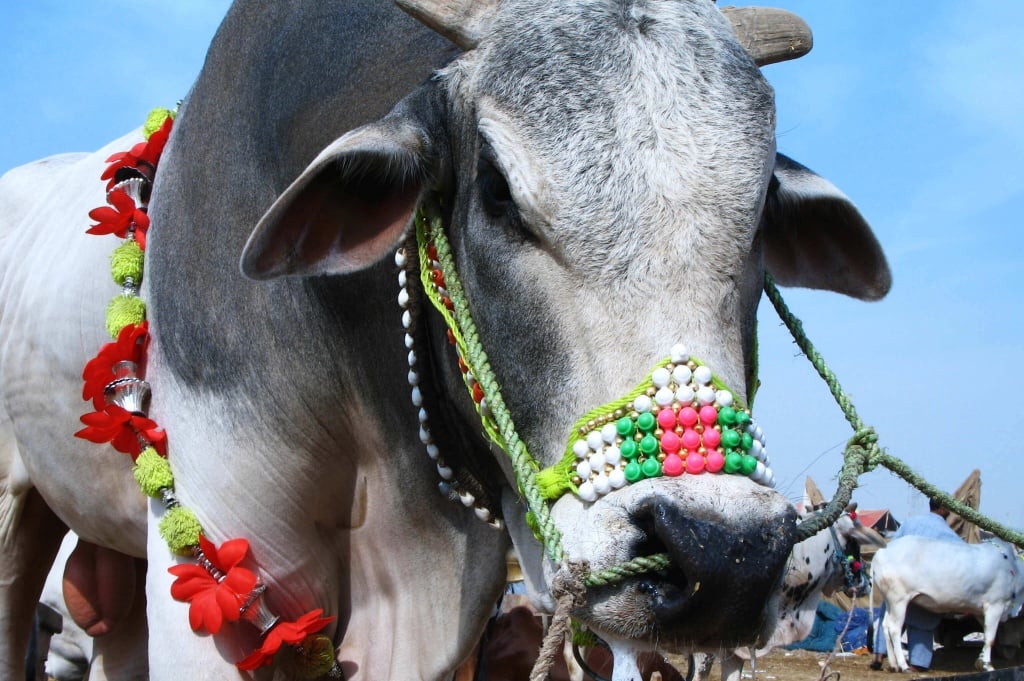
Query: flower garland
{"points": [[216, 587]]}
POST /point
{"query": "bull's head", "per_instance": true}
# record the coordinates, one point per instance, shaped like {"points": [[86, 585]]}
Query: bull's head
{"points": [[610, 187]]}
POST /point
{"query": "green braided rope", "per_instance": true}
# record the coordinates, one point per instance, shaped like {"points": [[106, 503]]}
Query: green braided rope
{"points": [[862, 453], [428, 223]]}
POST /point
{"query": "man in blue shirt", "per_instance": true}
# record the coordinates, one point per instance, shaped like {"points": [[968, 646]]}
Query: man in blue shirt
{"points": [[920, 623]]}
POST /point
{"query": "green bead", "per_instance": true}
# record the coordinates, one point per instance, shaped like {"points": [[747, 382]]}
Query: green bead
{"points": [[649, 444], [646, 422], [651, 468], [733, 462], [628, 449], [730, 439], [624, 426], [633, 472], [748, 464], [742, 419], [726, 416], [746, 441]]}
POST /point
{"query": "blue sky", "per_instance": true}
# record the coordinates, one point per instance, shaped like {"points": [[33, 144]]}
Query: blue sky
{"points": [[914, 109]]}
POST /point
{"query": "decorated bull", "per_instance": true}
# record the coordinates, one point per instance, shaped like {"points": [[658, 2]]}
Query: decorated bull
{"points": [[586, 192]]}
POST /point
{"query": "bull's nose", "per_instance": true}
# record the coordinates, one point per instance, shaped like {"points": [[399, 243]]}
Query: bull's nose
{"points": [[721, 575]]}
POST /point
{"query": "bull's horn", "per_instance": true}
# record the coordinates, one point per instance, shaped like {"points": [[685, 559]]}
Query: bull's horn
{"points": [[770, 35], [462, 21]]}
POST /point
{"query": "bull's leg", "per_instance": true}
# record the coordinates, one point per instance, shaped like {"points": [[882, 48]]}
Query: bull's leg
{"points": [[892, 625], [30, 535], [732, 667], [702, 663], [122, 653], [991, 623]]}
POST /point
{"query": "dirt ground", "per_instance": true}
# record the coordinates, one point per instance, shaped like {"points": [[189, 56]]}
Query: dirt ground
{"points": [[803, 665]]}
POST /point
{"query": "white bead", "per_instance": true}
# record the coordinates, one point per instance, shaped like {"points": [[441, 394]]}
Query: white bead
{"points": [[608, 433], [423, 416], [759, 474], [409, 342], [682, 374], [601, 484], [587, 492], [580, 448], [597, 461], [400, 258], [642, 403], [757, 450], [406, 320], [425, 435], [444, 472], [660, 377], [612, 455], [723, 398], [770, 479], [594, 440], [684, 395], [417, 397], [403, 296], [483, 514], [433, 452], [466, 498], [583, 469], [767, 460], [679, 354], [403, 278], [412, 358], [485, 409], [705, 395], [702, 375], [616, 478], [664, 397], [414, 378]]}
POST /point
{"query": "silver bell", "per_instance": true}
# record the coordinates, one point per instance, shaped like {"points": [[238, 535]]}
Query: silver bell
{"points": [[127, 390]]}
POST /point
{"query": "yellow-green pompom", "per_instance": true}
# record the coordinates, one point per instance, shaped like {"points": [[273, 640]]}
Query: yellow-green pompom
{"points": [[154, 120], [583, 637], [126, 261], [180, 530], [122, 311], [556, 480], [153, 473], [315, 656]]}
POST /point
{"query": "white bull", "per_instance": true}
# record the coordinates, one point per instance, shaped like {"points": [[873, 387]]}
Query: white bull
{"points": [[986, 580]]}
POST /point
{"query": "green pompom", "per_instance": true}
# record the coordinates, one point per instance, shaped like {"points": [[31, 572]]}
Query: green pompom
{"points": [[153, 473], [180, 530], [315, 656], [583, 637], [555, 481], [126, 261], [122, 311], [154, 120]]}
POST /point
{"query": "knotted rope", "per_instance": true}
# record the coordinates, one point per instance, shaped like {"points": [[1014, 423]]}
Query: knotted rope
{"points": [[570, 592], [862, 453]]}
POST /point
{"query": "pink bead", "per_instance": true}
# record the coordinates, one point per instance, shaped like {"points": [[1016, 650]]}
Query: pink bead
{"points": [[667, 419], [691, 438], [672, 466], [687, 417], [694, 463], [708, 415], [670, 442], [712, 438], [715, 461]]}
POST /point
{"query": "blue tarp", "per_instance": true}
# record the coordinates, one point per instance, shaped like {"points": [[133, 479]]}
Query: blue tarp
{"points": [[829, 622]]}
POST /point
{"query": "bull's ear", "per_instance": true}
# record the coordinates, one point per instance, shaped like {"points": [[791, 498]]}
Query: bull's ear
{"points": [[816, 238], [348, 209]]}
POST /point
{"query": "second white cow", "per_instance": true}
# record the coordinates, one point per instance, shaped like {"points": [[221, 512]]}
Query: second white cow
{"points": [[986, 580]]}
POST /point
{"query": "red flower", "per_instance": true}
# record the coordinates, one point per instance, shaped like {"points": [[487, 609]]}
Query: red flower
{"points": [[146, 153], [122, 429], [119, 217], [291, 633], [211, 602], [99, 371]]}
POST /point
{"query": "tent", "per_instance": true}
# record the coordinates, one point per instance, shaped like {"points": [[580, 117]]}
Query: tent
{"points": [[969, 493]]}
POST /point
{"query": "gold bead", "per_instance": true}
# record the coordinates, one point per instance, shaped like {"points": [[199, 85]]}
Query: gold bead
{"points": [[691, 365], [658, 432], [703, 451], [652, 391], [577, 480], [618, 414], [591, 424]]}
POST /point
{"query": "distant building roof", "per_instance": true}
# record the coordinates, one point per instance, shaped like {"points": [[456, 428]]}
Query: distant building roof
{"points": [[879, 520]]}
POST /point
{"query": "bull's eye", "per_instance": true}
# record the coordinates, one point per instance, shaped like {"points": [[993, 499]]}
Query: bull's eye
{"points": [[494, 192]]}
